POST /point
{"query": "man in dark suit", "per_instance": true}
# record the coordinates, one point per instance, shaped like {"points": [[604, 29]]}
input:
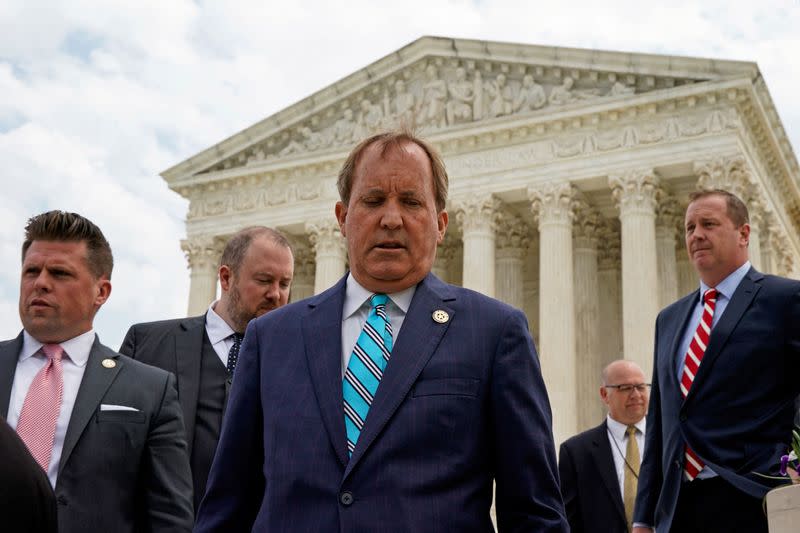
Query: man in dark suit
{"points": [[106, 429], [600, 467], [391, 401], [27, 502], [727, 359], [255, 275]]}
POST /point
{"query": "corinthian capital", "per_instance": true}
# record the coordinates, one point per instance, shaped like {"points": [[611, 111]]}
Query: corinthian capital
{"points": [[609, 245], [478, 212], [202, 251], [636, 190], [512, 233], [553, 203], [586, 224], [325, 236]]}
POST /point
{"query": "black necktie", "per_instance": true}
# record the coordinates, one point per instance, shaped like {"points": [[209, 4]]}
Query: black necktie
{"points": [[233, 354]]}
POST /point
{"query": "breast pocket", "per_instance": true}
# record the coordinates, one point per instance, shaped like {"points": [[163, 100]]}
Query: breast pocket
{"points": [[133, 417], [446, 387]]}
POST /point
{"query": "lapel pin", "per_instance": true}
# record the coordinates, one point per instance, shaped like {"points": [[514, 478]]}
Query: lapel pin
{"points": [[440, 316], [109, 363]]}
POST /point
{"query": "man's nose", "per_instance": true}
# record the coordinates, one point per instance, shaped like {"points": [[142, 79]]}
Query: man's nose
{"points": [[391, 217]]}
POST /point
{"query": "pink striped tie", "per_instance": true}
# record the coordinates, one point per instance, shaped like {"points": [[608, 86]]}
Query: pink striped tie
{"points": [[37, 420], [697, 348]]}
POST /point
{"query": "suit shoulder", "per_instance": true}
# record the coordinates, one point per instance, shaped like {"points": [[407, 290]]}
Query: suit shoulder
{"points": [[582, 439], [165, 325], [678, 304], [473, 298], [780, 284]]}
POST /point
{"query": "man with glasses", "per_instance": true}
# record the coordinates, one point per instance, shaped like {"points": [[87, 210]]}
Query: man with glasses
{"points": [[599, 468]]}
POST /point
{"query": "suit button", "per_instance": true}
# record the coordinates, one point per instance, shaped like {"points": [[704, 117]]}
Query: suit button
{"points": [[682, 417], [61, 500], [677, 463], [346, 498]]}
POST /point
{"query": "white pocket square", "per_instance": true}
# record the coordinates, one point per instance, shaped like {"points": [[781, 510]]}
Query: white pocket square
{"points": [[111, 407]]}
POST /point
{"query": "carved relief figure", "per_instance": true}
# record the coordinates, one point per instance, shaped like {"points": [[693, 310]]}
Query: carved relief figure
{"points": [[434, 93], [562, 94], [403, 104], [619, 89], [500, 96], [531, 96], [344, 128], [369, 120], [459, 108]]}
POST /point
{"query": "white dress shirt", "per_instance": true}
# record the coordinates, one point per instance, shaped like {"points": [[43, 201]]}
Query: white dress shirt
{"points": [[618, 440], [73, 363], [356, 310], [220, 334]]}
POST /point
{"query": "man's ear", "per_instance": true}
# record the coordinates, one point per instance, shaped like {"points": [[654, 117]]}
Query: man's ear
{"points": [[744, 233], [225, 277], [441, 221], [341, 216], [103, 288]]}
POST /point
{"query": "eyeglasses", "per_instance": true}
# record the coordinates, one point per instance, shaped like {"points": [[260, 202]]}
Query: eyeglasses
{"points": [[628, 388]]}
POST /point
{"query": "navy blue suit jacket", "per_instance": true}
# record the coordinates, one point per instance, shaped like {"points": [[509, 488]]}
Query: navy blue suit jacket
{"points": [[460, 404], [739, 411]]}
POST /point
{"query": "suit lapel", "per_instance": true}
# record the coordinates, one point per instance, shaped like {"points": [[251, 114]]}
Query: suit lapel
{"points": [[9, 355], [603, 458], [322, 334], [419, 337], [740, 301], [188, 354], [96, 380], [680, 323]]}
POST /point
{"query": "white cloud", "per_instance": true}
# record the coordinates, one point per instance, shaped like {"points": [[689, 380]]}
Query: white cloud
{"points": [[99, 97]]}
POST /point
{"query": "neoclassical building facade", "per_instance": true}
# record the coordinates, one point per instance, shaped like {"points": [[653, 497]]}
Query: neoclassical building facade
{"points": [[569, 175]]}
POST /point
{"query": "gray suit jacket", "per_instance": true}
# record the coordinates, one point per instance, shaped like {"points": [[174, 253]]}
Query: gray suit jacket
{"points": [[177, 347], [121, 471]]}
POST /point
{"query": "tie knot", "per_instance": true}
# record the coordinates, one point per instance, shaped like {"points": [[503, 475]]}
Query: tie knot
{"points": [[710, 295], [631, 431], [378, 300], [53, 351]]}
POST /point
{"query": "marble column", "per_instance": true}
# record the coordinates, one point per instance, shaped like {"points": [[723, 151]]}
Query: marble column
{"points": [[552, 207], [636, 196], [757, 218], [530, 274], [667, 220], [587, 316], [304, 266], [767, 244], [609, 280], [512, 243], [202, 253], [477, 218], [330, 253], [687, 276]]}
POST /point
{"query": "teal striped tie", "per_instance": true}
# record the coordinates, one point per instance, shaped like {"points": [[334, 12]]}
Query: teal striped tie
{"points": [[365, 369]]}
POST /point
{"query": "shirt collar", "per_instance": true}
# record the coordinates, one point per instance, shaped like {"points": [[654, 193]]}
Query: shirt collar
{"points": [[618, 429], [216, 327], [76, 348], [355, 296], [727, 286]]}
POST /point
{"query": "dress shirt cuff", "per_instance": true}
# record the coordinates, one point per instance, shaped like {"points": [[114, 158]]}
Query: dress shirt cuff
{"points": [[639, 524]]}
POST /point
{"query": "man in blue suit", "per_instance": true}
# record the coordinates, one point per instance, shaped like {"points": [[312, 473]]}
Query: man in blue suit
{"points": [[727, 358], [392, 401]]}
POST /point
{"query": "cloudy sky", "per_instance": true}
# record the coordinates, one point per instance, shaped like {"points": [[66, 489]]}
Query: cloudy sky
{"points": [[98, 97]]}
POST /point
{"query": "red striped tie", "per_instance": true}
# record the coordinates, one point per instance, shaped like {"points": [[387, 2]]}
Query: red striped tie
{"points": [[37, 420], [697, 348]]}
